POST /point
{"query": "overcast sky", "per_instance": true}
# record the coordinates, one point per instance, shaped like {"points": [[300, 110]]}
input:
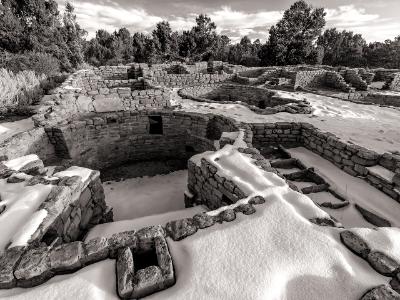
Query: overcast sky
{"points": [[376, 20]]}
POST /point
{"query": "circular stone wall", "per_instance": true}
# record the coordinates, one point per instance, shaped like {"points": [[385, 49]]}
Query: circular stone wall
{"points": [[260, 100]]}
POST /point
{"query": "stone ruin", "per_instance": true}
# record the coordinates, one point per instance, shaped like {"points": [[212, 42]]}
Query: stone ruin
{"points": [[108, 116]]}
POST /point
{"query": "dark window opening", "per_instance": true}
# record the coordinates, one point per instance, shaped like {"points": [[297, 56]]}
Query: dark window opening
{"points": [[145, 259], [262, 104], [156, 125], [189, 149]]}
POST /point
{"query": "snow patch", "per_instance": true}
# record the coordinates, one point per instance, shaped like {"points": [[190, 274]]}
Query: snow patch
{"points": [[23, 235], [17, 163]]}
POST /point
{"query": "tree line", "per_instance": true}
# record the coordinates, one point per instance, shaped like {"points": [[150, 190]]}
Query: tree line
{"points": [[36, 28]]}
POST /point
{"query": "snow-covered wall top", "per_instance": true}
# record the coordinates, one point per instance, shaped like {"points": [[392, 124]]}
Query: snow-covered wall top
{"points": [[40, 205]]}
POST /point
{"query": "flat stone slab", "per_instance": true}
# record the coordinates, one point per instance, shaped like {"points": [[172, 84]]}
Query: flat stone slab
{"points": [[203, 220], [372, 217], [383, 264], [8, 262], [181, 229], [355, 243], [34, 267], [124, 270], [102, 103]]}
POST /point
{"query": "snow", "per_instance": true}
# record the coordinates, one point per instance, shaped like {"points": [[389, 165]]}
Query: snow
{"points": [[84, 173], [23, 235], [370, 126], [381, 172], [382, 239], [143, 196], [239, 168], [17, 163], [94, 282], [8, 129], [354, 189], [108, 229], [274, 254], [21, 204]]}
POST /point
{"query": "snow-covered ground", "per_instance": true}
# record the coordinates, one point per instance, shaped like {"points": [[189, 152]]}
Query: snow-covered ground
{"points": [[8, 129], [275, 253], [355, 190], [144, 196], [371, 126]]}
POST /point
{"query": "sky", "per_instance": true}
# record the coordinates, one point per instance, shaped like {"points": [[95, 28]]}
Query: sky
{"points": [[376, 20]]}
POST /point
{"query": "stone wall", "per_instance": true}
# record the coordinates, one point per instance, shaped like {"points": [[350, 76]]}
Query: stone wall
{"points": [[111, 139], [34, 141], [75, 201], [393, 82], [384, 74], [310, 79], [284, 133], [176, 80], [83, 205], [352, 77], [353, 159]]}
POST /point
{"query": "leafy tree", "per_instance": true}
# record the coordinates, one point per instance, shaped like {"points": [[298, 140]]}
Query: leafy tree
{"points": [[342, 48], [386, 54], [162, 38], [291, 40]]}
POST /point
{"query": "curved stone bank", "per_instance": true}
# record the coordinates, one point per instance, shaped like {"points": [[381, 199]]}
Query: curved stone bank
{"points": [[259, 100]]}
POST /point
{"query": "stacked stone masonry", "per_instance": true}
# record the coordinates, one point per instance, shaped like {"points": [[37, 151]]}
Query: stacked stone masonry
{"points": [[260, 100]]}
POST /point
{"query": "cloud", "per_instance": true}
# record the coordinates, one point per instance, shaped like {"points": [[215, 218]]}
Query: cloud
{"points": [[372, 26], [349, 16], [110, 15]]}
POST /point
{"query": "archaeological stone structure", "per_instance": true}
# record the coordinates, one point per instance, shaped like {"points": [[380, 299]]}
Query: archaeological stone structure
{"points": [[108, 116]]}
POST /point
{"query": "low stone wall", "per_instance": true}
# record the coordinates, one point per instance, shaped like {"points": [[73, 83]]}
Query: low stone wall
{"points": [[381, 98], [260, 100], [175, 80], [34, 141]]}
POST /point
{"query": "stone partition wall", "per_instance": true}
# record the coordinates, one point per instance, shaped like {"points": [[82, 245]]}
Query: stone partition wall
{"points": [[107, 140]]}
